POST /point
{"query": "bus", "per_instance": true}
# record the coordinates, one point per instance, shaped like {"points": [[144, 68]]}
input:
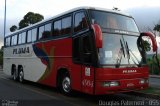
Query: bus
{"points": [[86, 49]]}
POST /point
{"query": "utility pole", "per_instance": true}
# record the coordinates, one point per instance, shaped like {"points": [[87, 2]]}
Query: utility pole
{"points": [[4, 21]]}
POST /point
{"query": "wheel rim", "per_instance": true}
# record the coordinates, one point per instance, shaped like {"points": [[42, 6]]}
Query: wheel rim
{"points": [[14, 73], [66, 84], [21, 76]]}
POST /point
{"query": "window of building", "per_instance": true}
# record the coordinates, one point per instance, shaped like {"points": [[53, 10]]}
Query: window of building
{"points": [[80, 22]]}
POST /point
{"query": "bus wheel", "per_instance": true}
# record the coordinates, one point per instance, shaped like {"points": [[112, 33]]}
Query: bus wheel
{"points": [[21, 75], [14, 75], [66, 84]]}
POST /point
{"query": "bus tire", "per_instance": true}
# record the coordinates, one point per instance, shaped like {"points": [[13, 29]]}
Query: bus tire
{"points": [[14, 73], [65, 84], [21, 75]]}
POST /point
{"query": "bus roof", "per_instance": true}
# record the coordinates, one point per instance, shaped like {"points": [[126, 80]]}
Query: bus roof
{"points": [[69, 11]]}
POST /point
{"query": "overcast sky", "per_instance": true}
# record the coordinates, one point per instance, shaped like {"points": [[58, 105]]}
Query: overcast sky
{"points": [[16, 9]]}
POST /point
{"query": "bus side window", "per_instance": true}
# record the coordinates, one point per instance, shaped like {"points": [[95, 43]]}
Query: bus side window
{"points": [[66, 25], [29, 36], [41, 30], [14, 40], [23, 37], [7, 41], [34, 34], [57, 28], [20, 38], [47, 31], [80, 22]]}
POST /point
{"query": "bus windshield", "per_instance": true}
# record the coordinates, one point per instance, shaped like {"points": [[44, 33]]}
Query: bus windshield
{"points": [[113, 21], [119, 48]]}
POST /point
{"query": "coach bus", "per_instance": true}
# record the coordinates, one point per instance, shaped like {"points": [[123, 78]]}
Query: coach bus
{"points": [[90, 50]]}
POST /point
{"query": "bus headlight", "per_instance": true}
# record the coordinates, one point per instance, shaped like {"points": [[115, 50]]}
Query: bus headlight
{"points": [[143, 81], [111, 84]]}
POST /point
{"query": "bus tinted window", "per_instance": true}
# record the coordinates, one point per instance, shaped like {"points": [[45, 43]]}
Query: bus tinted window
{"points": [[20, 38], [66, 25], [7, 43], [47, 32], [29, 36], [57, 28], [34, 34], [41, 30], [80, 22], [23, 37], [14, 40]]}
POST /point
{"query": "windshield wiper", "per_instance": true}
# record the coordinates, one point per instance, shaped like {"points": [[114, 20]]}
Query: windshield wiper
{"points": [[119, 58], [133, 55]]}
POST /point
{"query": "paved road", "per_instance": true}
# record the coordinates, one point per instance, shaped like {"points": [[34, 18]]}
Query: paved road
{"points": [[31, 94]]}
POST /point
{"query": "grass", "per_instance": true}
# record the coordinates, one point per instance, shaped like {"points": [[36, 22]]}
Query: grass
{"points": [[151, 90]]}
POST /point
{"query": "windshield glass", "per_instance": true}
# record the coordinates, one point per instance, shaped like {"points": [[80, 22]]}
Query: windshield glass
{"points": [[119, 49], [113, 21], [120, 35]]}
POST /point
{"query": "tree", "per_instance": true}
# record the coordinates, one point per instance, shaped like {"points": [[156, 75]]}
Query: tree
{"points": [[29, 19], [147, 45], [13, 28], [157, 27]]}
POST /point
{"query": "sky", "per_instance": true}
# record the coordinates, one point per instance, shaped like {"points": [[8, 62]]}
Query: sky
{"points": [[16, 9]]}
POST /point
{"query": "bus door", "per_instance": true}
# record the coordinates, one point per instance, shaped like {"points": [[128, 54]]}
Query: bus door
{"points": [[82, 51], [87, 64], [83, 59]]}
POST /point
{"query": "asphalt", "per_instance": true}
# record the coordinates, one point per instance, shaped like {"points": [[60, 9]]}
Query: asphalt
{"points": [[13, 93]]}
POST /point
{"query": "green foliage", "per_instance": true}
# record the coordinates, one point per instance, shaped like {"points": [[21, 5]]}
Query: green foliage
{"points": [[1, 57], [147, 45], [13, 28], [157, 28], [29, 19], [153, 65]]}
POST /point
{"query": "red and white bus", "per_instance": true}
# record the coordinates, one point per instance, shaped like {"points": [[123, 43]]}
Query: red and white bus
{"points": [[91, 50]]}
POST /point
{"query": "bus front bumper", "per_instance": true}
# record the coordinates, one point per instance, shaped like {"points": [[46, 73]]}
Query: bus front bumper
{"points": [[117, 86]]}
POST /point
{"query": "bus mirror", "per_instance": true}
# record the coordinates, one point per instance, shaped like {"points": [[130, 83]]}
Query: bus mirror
{"points": [[98, 35], [152, 38]]}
